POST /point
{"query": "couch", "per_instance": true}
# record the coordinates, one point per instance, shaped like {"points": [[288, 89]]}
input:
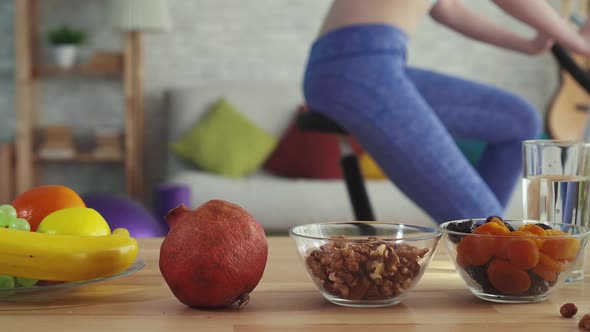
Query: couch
{"points": [[278, 203]]}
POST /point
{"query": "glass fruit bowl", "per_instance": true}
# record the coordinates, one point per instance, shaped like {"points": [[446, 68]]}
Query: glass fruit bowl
{"points": [[513, 261], [52, 290], [365, 264]]}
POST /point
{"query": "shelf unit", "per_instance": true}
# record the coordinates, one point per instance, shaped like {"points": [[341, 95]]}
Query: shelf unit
{"points": [[30, 70]]}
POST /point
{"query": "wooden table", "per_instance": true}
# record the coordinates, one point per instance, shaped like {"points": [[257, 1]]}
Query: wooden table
{"points": [[286, 300]]}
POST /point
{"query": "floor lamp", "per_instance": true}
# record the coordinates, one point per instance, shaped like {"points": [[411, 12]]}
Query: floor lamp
{"points": [[134, 17]]}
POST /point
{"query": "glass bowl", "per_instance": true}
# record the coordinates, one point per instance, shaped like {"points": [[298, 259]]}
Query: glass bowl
{"points": [[514, 261], [52, 291], [365, 264]]}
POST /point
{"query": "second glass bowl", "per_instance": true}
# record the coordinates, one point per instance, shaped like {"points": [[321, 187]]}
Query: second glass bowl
{"points": [[365, 264], [514, 261]]}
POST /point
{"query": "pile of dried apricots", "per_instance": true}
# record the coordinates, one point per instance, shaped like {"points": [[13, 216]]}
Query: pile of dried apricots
{"points": [[525, 261]]}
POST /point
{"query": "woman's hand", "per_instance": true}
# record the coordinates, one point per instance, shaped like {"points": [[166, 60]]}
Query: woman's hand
{"points": [[541, 16], [585, 30], [455, 15], [539, 45]]}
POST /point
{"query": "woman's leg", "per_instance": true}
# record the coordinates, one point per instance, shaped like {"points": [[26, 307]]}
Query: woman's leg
{"points": [[404, 136], [357, 77], [472, 110]]}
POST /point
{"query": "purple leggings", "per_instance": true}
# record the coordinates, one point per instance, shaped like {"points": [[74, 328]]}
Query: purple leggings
{"points": [[406, 118]]}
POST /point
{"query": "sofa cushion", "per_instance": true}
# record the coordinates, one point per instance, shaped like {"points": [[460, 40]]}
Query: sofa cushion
{"points": [[369, 167], [307, 154], [225, 142], [268, 104], [279, 203]]}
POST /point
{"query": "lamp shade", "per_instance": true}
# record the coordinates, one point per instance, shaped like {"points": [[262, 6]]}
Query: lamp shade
{"points": [[140, 15]]}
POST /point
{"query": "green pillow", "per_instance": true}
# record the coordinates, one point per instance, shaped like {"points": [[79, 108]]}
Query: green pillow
{"points": [[225, 142]]}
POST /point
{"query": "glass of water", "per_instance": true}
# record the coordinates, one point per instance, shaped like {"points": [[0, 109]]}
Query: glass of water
{"points": [[556, 184]]}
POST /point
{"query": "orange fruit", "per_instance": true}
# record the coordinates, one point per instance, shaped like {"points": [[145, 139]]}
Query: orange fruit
{"points": [[36, 203]]}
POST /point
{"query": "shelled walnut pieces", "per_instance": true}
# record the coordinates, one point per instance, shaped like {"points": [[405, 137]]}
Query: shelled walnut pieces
{"points": [[372, 270]]}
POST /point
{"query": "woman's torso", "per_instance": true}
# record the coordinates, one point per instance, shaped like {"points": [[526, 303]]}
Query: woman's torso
{"points": [[404, 14]]}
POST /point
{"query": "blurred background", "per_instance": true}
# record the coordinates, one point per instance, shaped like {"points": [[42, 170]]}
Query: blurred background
{"points": [[204, 42]]}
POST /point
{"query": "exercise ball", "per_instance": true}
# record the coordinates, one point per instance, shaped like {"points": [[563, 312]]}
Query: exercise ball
{"points": [[123, 212]]}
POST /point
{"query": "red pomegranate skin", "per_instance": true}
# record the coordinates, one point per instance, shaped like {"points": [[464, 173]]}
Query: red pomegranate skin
{"points": [[214, 255]]}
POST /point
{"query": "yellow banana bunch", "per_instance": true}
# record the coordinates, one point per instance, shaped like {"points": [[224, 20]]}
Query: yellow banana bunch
{"points": [[65, 257]]}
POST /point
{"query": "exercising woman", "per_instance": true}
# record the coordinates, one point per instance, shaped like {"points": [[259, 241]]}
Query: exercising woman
{"points": [[405, 118]]}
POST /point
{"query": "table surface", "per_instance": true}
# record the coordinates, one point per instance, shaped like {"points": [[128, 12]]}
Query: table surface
{"points": [[286, 300]]}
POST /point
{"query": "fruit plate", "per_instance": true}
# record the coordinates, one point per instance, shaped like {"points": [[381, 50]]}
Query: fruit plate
{"points": [[23, 293]]}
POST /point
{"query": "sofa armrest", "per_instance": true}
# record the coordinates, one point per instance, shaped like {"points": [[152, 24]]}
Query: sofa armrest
{"points": [[168, 196]]}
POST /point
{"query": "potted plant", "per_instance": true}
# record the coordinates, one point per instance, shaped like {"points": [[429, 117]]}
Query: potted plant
{"points": [[65, 41]]}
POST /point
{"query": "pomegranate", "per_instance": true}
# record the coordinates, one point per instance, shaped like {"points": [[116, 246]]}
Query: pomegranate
{"points": [[213, 256]]}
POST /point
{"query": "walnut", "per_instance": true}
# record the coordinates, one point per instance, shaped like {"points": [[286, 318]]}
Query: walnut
{"points": [[369, 270], [585, 322], [568, 310]]}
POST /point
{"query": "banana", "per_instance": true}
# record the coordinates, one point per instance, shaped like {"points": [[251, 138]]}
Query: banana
{"points": [[64, 257]]}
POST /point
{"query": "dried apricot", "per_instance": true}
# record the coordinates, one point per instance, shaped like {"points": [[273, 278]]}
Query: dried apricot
{"points": [[495, 219], [492, 228], [533, 229], [462, 258], [551, 264], [554, 232], [499, 221], [538, 240], [502, 247], [475, 250], [507, 278], [545, 273], [561, 248], [523, 252]]}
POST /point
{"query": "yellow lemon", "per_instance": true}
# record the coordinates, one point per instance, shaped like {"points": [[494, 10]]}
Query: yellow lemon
{"points": [[74, 221]]}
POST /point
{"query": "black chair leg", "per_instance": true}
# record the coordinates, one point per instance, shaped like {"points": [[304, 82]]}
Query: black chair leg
{"points": [[355, 184]]}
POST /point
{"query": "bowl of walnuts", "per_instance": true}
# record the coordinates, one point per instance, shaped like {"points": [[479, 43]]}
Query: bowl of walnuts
{"points": [[514, 261], [365, 264]]}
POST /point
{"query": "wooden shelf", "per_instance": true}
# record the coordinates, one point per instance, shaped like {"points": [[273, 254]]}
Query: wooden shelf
{"points": [[81, 158], [48, 71], [100, 64]]}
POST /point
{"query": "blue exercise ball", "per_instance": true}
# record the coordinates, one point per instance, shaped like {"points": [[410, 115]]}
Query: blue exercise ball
{"points": [[123, 212]]}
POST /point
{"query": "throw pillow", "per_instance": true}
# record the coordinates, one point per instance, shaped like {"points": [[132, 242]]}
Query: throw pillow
{"points": [[471, 148], [225, 142], [369, 167], [302, 154]]}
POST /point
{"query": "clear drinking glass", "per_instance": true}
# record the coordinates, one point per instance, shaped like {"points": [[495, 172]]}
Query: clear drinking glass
{"points": [[556, 184]]}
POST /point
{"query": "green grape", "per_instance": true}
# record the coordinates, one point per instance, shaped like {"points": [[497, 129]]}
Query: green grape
{"points": [[26, 282], [7, 282], [20, 224], [8, 210], [4, 219]]}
